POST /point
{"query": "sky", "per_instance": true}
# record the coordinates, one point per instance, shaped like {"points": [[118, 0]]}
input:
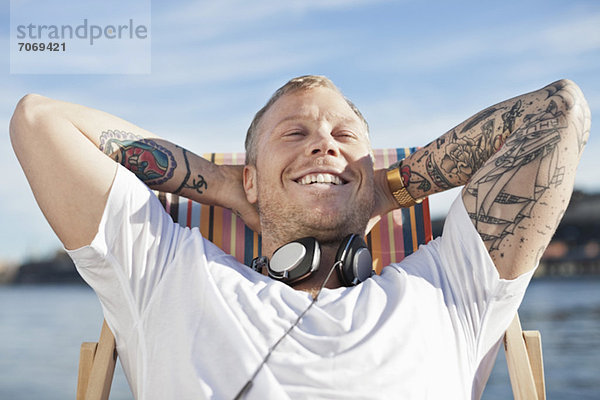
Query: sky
{"points": [[414, 68]]}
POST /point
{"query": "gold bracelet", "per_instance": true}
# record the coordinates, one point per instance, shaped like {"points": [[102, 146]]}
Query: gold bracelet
{"points": [[396, 185]]}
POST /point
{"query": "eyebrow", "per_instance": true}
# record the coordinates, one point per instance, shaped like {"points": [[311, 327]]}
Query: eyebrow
{"points": [[338, 118]]}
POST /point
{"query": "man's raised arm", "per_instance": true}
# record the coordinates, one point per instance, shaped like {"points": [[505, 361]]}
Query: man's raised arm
{"points": [[518, 160], [60, 147]]}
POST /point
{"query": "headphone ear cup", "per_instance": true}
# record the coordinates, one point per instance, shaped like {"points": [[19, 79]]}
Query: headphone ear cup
{"points": [[354, 261], [295, 261]]}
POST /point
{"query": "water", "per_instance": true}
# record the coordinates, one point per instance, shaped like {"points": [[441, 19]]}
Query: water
{"points": [[567, 313], [42, 327], [41, 330]]}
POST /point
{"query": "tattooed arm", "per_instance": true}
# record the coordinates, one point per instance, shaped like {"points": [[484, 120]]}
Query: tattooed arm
{"points": [[517, 160], [165, 166], [60, 146]]}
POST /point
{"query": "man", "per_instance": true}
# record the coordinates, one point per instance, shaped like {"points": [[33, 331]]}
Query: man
{"points": [[191, 322]]}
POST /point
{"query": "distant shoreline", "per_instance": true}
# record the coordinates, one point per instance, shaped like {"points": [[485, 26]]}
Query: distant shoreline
{"points": [[573, 251], [61, 270]]}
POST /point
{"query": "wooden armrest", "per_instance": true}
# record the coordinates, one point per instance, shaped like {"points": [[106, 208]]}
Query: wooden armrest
{"points": [[97, 366], [525, 364], [533, 342], [86, 360]]}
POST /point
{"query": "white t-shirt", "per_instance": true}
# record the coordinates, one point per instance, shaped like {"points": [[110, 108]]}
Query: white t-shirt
{"points": [[191, 322]]}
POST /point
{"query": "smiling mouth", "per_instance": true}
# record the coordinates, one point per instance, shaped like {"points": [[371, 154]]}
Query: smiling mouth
{"points": [[322, 178]]}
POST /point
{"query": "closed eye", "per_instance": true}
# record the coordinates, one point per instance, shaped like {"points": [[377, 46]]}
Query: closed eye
{"points": [[293, 134], [345, 135]]}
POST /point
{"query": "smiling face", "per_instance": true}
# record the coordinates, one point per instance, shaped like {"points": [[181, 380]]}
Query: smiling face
{"points": [[314, 173]]}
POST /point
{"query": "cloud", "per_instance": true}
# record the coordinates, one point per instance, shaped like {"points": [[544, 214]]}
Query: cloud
{"points": [[572, 37], [223, 62], [519, 45], [208, 19], [199, 43]]}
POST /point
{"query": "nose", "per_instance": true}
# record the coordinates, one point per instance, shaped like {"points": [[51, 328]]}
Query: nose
{"points": [[323, 143]]}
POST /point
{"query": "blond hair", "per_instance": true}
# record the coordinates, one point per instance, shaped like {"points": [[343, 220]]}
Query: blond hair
{"points": [[305, 82]]}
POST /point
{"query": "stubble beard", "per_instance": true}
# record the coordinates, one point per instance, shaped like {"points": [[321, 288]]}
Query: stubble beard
{"points": [[283, 222]]}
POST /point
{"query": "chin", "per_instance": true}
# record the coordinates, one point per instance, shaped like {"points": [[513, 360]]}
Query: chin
{"points": [[328, 228], [325, 221]]}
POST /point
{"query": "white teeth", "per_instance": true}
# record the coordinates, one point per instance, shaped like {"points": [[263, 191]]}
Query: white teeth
{"points": [[320, 178]]}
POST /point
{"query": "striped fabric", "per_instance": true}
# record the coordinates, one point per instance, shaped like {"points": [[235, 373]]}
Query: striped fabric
{"points": [[395, 236]]}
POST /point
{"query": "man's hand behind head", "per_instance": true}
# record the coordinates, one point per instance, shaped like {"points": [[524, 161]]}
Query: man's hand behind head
{"points": [[234, 196]]}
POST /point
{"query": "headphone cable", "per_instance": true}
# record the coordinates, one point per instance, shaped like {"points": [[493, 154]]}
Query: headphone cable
{"points": [[248, 384]]}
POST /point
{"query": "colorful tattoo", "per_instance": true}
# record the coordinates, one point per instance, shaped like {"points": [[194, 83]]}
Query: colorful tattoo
{"points": [[150, 162]]}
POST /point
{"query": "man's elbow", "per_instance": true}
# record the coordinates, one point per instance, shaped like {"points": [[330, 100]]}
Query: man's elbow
{"points": [[580, 110], [572, 104], [580, 115], [26, 119], [571, 95]]}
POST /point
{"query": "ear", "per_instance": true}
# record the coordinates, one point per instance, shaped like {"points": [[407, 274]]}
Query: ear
{"points": [[250, 184]]}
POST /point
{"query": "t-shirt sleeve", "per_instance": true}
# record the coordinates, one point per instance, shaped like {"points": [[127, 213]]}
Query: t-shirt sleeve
{"points": [[133, 248], [480, 304], [489, 302]]}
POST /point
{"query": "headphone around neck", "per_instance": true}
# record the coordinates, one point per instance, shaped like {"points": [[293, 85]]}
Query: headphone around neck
{"points": [[297, 260]]}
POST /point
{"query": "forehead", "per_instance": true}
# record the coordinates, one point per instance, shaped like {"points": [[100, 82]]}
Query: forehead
{"points": [[311, 105]]}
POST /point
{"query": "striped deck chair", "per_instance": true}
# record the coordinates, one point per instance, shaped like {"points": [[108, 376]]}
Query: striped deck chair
{"points": [[394, 237]]}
